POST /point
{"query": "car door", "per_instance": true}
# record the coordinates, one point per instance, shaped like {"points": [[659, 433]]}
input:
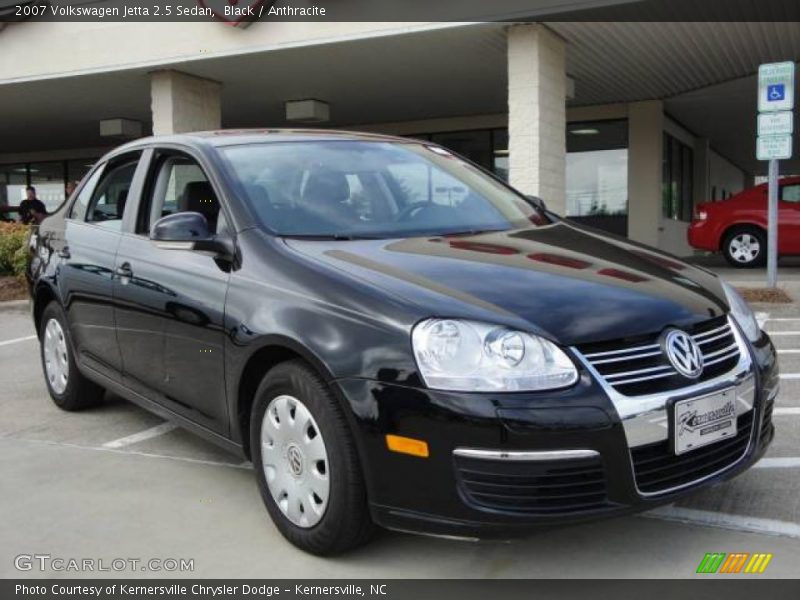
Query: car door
{"points": [[93, 230], [789, 219], [171, 303]]}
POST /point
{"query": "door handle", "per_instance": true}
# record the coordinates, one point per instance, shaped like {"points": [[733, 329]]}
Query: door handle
{"points": [[64, 252], [124, 270]]}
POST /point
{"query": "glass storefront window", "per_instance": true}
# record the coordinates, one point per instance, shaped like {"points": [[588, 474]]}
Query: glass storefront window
{"points": [[597, 169], [474, 145], [677, 180], [13, 179], [49, 179], [77, 169], [597, 183], [597, 166], [500, 148], [486, 147]]}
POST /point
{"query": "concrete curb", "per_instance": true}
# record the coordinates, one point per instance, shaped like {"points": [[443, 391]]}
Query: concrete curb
{"points": [[13, 305]]}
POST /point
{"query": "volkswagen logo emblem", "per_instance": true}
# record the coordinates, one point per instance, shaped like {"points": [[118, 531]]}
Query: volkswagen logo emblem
{"points": [[294, 459], [683, 353]]}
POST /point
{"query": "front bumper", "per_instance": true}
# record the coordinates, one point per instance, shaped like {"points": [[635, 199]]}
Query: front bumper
{"points": [[488, 450]]}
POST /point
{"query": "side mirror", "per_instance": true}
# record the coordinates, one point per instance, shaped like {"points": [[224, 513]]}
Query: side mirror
{"points": [[189, 231], [537, 202]]}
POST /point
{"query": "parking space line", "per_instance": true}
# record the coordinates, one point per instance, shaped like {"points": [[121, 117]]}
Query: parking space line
{"points": [[784, 319], [147, 434], [790, 375], [186, 459], [774, 333], [17, 340], [788, 351], [725, 521], [791, 410], [778, 462]]}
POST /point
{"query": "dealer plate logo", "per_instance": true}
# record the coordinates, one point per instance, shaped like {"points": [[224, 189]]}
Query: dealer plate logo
{"points": [[684, 353]]}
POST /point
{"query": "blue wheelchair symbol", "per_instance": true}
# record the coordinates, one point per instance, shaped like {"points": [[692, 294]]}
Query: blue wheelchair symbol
{"points": [[776, 93]]}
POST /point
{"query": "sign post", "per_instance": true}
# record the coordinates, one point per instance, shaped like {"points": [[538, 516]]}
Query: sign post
{"points": [[775, 128]]}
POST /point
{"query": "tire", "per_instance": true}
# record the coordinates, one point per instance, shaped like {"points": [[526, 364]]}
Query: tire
{"points": [[68, 388], [306, 443], [745, 247]]}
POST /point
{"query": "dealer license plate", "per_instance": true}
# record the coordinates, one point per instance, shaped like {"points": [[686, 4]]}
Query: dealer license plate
{"points": [[702, 421]]}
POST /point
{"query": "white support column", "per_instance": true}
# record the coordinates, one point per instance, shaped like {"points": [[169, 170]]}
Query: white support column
{"points": [[645, 150], [182, 103], [537, 113]]}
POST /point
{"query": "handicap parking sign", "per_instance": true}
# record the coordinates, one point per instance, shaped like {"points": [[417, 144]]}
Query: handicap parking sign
{"points": [[776, 87], [776, 93]]}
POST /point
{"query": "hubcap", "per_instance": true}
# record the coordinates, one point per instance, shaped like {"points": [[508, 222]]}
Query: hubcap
{"points": [[56, 362], [295, 461], [745, 248]]}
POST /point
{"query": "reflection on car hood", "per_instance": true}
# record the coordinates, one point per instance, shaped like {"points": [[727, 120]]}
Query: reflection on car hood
{"points": [[571, 283]]}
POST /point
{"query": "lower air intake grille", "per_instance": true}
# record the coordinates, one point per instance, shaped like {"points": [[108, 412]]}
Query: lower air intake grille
{"points": [[766, 424], [658, 469], [533, 487]]}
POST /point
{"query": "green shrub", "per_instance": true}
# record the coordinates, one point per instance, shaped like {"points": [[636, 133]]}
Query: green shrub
{"points": [[13, 248]]}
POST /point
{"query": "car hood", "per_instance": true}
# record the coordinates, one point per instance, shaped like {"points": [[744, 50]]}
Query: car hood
{"points": [[570, 283]]}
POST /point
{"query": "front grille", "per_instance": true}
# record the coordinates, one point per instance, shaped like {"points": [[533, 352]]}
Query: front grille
{"points": [[533, 487], [638, 366], [658, 469]]}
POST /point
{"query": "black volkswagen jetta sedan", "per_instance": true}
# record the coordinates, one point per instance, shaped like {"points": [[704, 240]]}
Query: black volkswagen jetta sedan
{"points": [[394, 336]]}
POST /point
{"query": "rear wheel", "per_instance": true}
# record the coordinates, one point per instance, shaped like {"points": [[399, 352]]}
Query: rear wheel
{"points": [[68, 388], [306, 462], [745, 247]]}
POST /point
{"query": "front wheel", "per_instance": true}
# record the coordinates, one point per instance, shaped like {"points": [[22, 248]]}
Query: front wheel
{"points": [[745, 248], [306, 462]]}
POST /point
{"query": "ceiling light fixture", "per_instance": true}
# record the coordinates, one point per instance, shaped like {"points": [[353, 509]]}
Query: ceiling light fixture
{"points": [[585, 131], [308, 111]]}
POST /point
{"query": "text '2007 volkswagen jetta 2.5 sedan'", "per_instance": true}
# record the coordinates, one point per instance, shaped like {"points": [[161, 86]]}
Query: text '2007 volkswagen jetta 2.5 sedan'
{"points": [[394, 336]]}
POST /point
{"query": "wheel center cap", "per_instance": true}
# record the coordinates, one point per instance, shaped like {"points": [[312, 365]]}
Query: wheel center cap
{"points": [[294, 459]]}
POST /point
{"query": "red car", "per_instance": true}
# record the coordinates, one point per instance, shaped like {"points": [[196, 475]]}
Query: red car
{"points": [[738, 226]]}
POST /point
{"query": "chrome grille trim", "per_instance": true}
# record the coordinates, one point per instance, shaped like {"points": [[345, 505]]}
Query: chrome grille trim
{"points": [[645, 378], [613, 360], [705, 334], [701, 341], [624, 351], [639, 372], [603, 361], [719, 352], [720, 359], [644, 417]]}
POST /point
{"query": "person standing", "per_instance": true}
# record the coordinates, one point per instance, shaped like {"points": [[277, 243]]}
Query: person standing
{"points": [[71, 185], [31, 210]]}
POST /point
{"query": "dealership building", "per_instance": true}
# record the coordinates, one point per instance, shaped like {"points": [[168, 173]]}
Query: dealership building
{"points": [[624, 125]]}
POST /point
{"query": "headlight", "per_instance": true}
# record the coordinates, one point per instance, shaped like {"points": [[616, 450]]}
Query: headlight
{"points": [[742, 313], [476, 357]]}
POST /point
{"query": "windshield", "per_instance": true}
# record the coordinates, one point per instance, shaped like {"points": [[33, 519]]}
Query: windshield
{"points": [[366, 189]]}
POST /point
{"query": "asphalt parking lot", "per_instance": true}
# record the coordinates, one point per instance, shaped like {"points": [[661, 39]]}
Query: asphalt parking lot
{"points": [[117, 482]]}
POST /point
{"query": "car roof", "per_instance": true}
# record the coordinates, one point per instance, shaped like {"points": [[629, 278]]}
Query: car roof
{"points": [[235, 137]]}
